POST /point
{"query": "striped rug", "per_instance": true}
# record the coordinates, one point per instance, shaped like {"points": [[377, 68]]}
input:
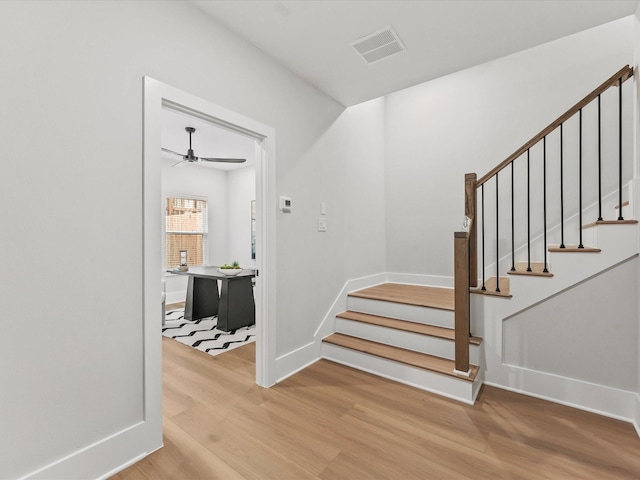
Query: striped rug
{"points": [[203, 334]]}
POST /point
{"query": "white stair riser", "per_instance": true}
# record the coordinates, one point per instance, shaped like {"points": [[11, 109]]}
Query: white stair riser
{"points": [[412, 313], [408, 340], [461, 390], [589, 237]]}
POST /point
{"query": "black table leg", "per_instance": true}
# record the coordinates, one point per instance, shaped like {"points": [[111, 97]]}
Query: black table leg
{"points": [[237, 307], [202, 298]]}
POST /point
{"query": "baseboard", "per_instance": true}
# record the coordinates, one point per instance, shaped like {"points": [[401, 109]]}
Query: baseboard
{"points": [[291, 363], [328, 324], [124, 466], [590, 397], [636, 414], [175, 297], [417, 279], [111, 454]]}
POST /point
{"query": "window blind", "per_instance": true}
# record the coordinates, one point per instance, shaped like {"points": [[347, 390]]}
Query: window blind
{"points": [[186, 229]]}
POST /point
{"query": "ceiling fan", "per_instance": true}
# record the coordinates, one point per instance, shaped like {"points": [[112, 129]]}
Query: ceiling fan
{"points": [[191, 158]]}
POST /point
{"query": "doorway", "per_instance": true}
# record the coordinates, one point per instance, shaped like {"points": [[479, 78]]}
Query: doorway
{"points": [[159, 96]]}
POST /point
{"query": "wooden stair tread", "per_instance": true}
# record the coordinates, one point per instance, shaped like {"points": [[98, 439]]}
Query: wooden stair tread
{"points": [[433, 297], [408, 357], [537, 269], [406, 326], [573, 249], [490, 288], [609, 222]]}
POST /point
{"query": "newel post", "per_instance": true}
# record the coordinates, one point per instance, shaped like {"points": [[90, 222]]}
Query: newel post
{"points": [[470, 209], [461, 292]]}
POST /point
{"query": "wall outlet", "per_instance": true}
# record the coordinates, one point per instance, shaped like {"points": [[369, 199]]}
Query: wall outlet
{"points": [[322, 224]]}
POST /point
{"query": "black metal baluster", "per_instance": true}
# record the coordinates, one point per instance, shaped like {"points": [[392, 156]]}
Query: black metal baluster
{"points": [[528, 215], [497, 240], [513, 261], [620, 217], [544, 198], [580, 245], [599, 163], [561, 191], [482, 196]]}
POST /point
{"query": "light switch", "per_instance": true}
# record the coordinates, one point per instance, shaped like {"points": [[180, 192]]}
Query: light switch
{"points": [[323, 208], [322, 224]]}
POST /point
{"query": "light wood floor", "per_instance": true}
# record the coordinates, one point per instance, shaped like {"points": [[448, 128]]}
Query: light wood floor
{"points": [[332, 422]]}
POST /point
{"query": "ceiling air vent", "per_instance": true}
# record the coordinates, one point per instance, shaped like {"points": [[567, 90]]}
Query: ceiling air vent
{"points": [[378, 45]]}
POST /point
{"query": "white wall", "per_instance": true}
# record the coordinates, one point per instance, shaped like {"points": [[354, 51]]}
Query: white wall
{"points": [[72, 253], [345, 169], [579, 334], [472, 120], [241, 188]]}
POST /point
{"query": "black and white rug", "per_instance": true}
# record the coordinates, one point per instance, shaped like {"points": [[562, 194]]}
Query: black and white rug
{"points": [[203, 334]]}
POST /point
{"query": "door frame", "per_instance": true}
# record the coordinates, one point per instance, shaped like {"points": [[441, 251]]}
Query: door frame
{"points": [[157, 96]]}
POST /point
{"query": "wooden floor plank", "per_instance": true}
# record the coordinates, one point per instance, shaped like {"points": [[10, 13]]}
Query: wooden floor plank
{"points": [[333, 422], [434, 297]]}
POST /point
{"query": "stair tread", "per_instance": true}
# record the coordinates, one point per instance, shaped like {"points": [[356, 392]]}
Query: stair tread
{"points": [[408, 357], [433, 297], [490, 288], [573, 249], [406, 326], [537, 269], [609, 222]]}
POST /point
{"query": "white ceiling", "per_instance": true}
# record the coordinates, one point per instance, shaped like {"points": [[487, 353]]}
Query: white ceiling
{"points": [[312, 37], [208, 140]]}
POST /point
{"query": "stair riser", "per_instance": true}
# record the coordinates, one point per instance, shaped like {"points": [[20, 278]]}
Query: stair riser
{"points": [[412, 313], [461, 390], [589, 237], [411, 341]]}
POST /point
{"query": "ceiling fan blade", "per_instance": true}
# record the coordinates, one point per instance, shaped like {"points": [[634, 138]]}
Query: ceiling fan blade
{"points": [[224, 160], [179, 164], [171, 151]]}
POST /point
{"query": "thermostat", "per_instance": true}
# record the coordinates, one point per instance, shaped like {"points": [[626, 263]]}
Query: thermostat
{"points": [[285, 204]]}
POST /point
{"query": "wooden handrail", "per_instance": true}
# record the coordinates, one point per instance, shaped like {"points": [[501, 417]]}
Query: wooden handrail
{"points": [[461, 302], [623, 74]]}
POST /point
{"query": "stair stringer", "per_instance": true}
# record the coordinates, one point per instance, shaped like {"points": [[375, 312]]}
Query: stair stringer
{"points": [[488, 314]]}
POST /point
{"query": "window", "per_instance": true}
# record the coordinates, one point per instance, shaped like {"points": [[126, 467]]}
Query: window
{"points": [[186, 229]]}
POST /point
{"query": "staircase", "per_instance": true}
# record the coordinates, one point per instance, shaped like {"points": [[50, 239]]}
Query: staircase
{"points": [[566, 247], [405, 333], [418, 335]]}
